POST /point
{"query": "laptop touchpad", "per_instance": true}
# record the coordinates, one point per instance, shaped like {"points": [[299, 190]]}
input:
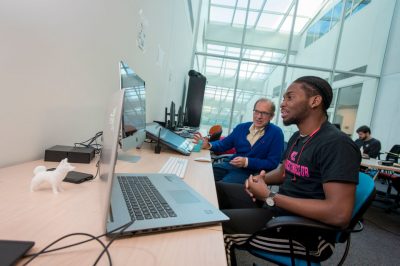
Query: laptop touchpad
{"points": [[183, 196]]}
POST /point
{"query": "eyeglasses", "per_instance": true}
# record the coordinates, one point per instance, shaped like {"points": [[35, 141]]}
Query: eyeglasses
{"points": [[263, 114]]}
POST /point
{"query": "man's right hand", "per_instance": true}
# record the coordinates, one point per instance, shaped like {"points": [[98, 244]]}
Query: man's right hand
{"points": [[256, 187], [197, 137]]}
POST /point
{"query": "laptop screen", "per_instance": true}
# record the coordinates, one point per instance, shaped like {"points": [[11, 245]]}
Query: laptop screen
{"points": [[111, 127], [169, 138]]}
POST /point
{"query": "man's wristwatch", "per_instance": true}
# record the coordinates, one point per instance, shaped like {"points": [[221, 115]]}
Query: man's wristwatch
{"points": [[270, 199]]}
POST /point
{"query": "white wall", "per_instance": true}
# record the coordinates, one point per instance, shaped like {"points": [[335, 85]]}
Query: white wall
{"points": [[386, 118], [364, 37], [59, 65]]}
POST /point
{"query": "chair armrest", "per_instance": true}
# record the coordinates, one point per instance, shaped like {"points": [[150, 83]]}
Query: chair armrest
{"points": [[294, 229], [299, 222], [220, 158]]}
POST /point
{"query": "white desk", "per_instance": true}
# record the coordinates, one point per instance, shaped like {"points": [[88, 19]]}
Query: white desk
{"points": [[43, 217]]}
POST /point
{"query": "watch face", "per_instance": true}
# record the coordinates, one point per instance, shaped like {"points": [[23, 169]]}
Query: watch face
{"points": [[270, 201]]}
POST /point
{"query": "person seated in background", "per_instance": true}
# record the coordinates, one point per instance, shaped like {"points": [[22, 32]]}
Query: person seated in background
{"points": [[317, 177], [258, 145], [369, 146]]}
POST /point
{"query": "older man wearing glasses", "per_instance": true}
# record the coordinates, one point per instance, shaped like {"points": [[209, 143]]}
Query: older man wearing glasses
{"points": [[258, 145]]}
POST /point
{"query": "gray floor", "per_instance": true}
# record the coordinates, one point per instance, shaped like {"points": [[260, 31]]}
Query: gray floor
{"points": [[377, 244]]}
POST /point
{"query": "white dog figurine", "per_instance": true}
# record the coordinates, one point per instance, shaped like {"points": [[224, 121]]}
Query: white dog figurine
{"points": [[54, 178]]}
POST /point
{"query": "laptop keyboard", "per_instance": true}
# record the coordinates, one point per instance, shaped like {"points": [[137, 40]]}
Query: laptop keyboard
{"points": [[143, 199]]}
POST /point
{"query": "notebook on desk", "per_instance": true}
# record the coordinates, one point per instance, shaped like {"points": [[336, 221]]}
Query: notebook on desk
{"points": [[12, 250], [176, 205]]}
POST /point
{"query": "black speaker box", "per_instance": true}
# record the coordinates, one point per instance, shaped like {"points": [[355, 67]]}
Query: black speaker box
{"points": [[194, 99], [74, 154]]}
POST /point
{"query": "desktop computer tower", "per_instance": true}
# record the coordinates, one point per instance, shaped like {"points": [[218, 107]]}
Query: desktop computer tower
{"points": [[194, 99]]}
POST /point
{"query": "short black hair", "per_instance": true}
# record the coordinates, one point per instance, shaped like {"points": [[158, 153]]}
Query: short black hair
{"points": [[320, 86], [364, 129]]}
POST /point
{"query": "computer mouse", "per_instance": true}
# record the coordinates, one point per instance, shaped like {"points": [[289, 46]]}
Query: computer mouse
{"points": [[203, 159]]}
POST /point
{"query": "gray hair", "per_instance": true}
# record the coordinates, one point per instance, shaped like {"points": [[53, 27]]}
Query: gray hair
{"points": [[267, 101]]}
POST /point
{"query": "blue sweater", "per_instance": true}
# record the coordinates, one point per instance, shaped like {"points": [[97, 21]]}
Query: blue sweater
{"points": [[265, 154]]}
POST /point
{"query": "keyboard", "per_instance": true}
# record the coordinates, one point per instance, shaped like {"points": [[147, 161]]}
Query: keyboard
{"points": [[186, 134], [143, 199], [175, 165]]}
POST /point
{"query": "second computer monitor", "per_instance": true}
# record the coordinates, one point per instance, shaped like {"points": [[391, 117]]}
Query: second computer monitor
{"points": [[133, 123]]}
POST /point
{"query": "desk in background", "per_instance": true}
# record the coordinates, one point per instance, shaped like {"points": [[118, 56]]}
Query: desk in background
{"points": [[374, 164], [43, 217], [386, 196]]}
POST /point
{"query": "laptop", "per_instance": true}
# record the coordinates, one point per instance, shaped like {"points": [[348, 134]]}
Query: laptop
{"points": [[176, 204], [169, 138]]}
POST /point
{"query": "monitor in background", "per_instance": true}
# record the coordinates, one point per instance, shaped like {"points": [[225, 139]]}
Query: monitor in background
{"points": [[133, 124], [194, 98]]}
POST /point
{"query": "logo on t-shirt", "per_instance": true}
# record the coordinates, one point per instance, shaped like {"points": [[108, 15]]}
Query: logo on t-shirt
{"points": [[297, 169], [293, 155]]}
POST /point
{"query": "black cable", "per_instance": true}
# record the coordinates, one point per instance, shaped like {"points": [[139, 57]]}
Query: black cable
{"points": [[105, 247], [89, 143], [91, 140], [98, 166], [44, 250], [105, 250], [98, 169], [97, 147], [92, 237]]}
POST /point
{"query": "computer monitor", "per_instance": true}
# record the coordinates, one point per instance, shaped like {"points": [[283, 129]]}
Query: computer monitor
{"points": [[195, 98], [133, 124]]}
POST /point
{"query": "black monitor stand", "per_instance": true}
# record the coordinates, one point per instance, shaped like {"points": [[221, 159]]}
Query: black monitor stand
{"points": [[171, 122], [180, 117]]}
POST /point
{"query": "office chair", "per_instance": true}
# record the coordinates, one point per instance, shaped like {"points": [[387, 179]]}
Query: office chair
{"points": [[294, 225], [391, 179], [219, 158], [395, 183], [214, 134]]}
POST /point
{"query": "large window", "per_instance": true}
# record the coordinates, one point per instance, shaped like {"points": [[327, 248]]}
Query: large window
{"points": [[331, 17], [254, 48], [346, 107]]}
